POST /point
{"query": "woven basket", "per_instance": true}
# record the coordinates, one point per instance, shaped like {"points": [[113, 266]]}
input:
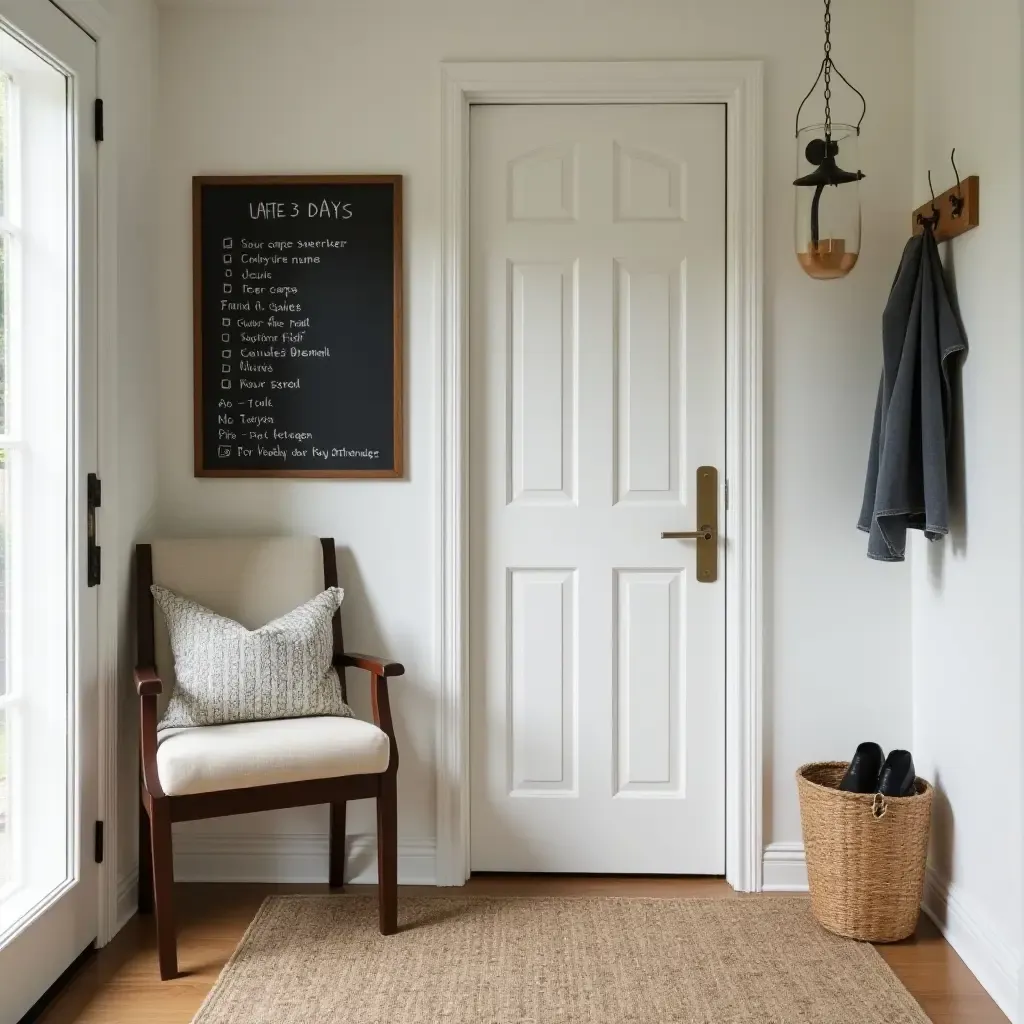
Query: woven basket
{"points": [[865, 854]]}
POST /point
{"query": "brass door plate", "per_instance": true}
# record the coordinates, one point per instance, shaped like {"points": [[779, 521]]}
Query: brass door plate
{"points": [[707, 516], [706, 534]]}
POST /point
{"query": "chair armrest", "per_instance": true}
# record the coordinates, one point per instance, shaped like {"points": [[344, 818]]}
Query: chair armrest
{"points": [[381, 705], [148, 685], [147, 682], [376, 666]]}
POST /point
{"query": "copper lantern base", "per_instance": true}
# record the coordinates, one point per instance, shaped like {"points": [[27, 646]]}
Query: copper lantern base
{"points": [[828, 259]]}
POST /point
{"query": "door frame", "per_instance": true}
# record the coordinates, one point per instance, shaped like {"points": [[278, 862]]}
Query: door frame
{"points": [[738, 85], [116, 892]]}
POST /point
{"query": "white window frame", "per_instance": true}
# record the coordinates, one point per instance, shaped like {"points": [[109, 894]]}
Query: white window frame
{"points": [[118, 880], [9, 441], [22, 900]]}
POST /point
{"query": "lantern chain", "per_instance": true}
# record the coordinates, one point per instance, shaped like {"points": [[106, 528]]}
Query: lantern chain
{"points": [[828, 69], [825, 72]]}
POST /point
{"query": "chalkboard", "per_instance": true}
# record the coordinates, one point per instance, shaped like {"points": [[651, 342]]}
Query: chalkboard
{"points": [[298, 326]]}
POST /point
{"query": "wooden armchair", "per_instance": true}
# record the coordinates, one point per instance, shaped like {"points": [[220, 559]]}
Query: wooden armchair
{"points": [[217, 770]]}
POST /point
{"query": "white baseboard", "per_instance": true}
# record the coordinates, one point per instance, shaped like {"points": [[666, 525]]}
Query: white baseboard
{"points": [[262, 857], [783, 868], [127, 898], [992, 960]]}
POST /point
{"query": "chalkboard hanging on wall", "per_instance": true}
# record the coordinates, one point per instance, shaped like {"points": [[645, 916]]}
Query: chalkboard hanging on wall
{"points": [[298, 326]]}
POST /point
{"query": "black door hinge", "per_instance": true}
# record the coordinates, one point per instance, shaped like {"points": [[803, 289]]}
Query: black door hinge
{"points": [[97, 122], [98, 849], [94, 498]]}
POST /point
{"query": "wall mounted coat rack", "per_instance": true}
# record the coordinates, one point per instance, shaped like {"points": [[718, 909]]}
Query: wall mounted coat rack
{"points": [[953, 212]]}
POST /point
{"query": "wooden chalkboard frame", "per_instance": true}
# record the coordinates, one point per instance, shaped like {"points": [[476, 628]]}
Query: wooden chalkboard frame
{"points": [[397, 470]]}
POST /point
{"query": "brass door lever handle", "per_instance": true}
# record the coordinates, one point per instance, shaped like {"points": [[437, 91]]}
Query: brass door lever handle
{"points": [[704, 533]]}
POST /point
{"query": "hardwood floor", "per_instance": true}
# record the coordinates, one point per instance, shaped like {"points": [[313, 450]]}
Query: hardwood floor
{"points": [[120, 985]]}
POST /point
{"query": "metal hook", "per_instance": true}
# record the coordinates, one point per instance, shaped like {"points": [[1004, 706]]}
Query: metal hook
{"points": [[952, 160], [957, 201], [933, 220]]}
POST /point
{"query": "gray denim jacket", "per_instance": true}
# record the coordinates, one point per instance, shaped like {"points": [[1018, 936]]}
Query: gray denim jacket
{"points": [[907, 486]]}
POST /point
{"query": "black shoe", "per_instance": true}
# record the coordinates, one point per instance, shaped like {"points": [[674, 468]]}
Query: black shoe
{"points": [[862, 775], [897, 775]]}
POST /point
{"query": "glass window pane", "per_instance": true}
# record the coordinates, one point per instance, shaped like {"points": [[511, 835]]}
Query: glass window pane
{"points": [[5, 92], [36, 338], [5, 813], [4, 540], [4, 361]]}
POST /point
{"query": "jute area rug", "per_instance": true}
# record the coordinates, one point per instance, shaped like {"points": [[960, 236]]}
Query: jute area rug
{"points": [[486, 960]]}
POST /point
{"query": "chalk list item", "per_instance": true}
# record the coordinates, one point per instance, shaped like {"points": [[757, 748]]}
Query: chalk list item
{"points": [[298, 326]]}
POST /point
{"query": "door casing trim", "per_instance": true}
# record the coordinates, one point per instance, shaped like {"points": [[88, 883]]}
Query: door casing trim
{"points": [[112, 640], [738, 85]]}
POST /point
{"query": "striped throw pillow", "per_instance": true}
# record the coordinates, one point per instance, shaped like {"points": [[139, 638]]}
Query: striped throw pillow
{"points": [[227, 673]]}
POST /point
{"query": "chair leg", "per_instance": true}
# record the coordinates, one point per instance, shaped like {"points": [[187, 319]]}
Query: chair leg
{"points": [[145, 863], [387, 854], [163, 888], [336, 840]]}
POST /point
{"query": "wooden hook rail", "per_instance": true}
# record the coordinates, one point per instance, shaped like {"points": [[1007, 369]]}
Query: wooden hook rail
{"points": [[952, 213]]}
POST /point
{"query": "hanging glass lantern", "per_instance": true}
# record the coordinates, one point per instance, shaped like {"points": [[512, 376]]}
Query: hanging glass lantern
{"points": [[827, 194]]}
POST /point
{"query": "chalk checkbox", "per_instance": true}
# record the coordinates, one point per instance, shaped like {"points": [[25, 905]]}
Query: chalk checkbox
{"points": [[223, 451], [225, 321], [225, 338], [226, 354], [225, 385], [224, 368], [227, 257], [228, 243], [227, 289], [228, 272]]}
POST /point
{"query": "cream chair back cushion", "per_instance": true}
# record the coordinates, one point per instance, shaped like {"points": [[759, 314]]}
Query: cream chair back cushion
{"points": [[251, 580]]}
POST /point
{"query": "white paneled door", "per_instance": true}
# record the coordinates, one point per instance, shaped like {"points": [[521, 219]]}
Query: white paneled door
{"points": [[597, 368]]}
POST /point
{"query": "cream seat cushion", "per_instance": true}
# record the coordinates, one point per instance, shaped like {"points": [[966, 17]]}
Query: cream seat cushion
{"points": [[206, 758]]}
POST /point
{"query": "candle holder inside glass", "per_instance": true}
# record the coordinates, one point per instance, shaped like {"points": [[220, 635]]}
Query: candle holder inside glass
{"points": [[828, 213]]}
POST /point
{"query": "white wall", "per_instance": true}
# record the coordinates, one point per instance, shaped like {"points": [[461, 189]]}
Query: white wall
{"points": [[966, 591], [354, 86]]}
